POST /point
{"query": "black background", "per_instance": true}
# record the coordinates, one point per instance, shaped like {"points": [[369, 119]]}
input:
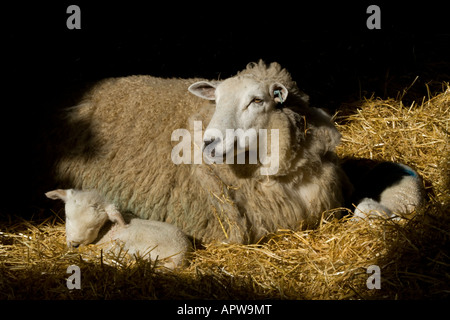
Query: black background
{"points": [[325, 45]]}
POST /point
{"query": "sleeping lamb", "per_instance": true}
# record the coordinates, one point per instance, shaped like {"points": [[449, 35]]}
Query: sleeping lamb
{"points": [[389, 190], [87, 214]]}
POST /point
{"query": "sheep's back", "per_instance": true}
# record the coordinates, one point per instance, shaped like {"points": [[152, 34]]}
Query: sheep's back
{"points": [[163, 239], [118, 141]]}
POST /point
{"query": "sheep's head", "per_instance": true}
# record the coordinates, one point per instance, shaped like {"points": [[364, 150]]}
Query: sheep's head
{"points": [[242, 102], [254, 100], [86, 213]]}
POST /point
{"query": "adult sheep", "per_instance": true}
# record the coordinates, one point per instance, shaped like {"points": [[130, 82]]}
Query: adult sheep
{"points": [[126, 153]]}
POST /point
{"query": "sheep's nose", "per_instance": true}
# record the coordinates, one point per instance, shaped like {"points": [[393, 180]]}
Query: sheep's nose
{"points": [[207, 142], [74, 245]]}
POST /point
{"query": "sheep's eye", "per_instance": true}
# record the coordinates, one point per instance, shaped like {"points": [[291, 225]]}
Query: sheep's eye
{"points": [[257, 100]]}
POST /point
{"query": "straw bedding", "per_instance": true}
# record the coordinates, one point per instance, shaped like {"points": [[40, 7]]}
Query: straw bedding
{"points": [[329, 262]]}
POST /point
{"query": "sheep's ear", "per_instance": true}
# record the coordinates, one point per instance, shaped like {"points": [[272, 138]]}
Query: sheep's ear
{"points": [[278, 92], [203, 89], [114, 215], [57, 194]]}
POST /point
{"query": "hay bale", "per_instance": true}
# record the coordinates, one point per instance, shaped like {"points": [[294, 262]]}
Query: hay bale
{"points": [[329, 262], [386, 130]]}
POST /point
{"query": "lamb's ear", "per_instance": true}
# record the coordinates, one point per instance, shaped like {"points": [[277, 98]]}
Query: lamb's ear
{"points": [[204, 89], [57, 194], [114, 215], [278, 92]]}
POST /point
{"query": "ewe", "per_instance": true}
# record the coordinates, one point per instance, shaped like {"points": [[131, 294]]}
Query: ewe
{"points": [[87, 215], [125, 153], [119, 140]]}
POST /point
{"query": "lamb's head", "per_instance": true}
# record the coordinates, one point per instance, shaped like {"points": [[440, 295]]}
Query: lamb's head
{"points": [[86, 213], [245, 104]]}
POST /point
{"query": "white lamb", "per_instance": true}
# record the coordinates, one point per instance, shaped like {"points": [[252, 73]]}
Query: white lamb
{"points": [[390, 190], [87, 217]]}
